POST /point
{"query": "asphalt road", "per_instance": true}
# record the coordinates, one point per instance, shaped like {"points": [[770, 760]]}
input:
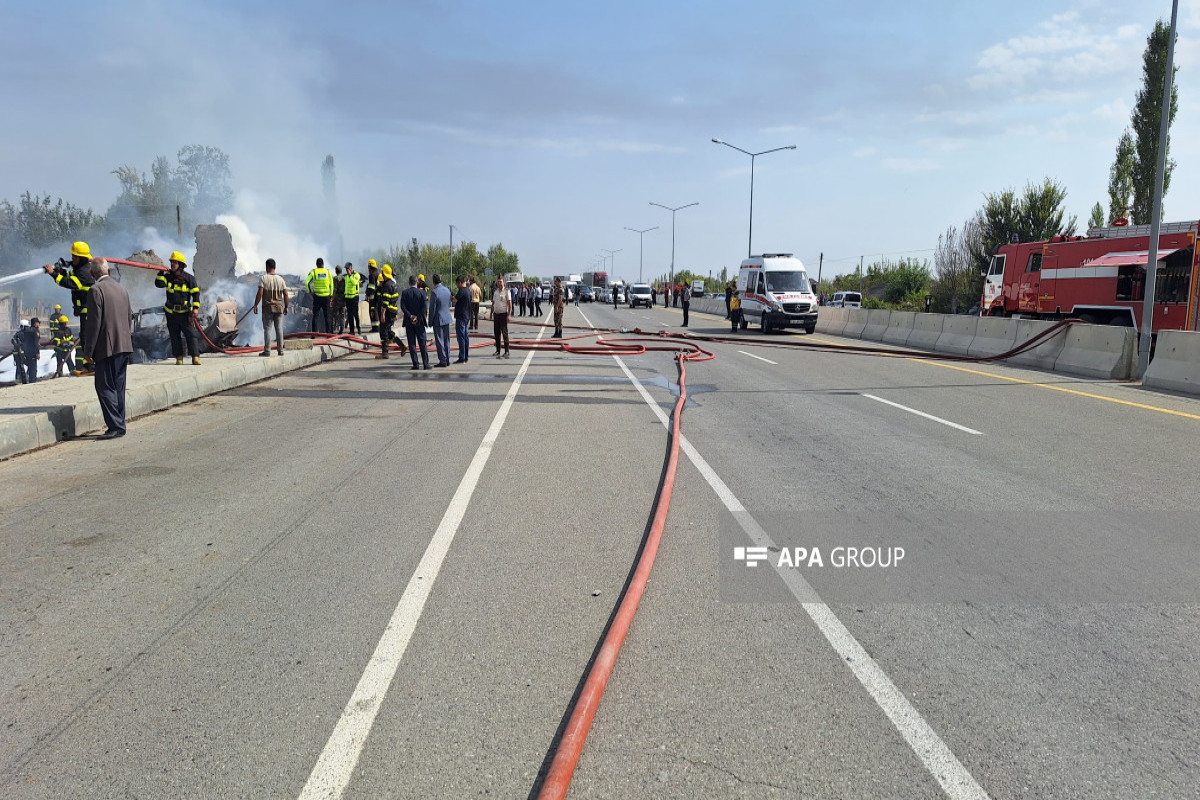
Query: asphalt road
{"points": [[361, 579]]}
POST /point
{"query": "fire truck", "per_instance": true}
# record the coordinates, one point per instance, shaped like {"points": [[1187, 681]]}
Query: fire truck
{"points": [[1099, 278]]}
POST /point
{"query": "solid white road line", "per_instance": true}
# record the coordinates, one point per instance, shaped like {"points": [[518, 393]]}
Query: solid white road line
{"points": [[760, 358], [937, 757], [335, 766], [971, 431]]}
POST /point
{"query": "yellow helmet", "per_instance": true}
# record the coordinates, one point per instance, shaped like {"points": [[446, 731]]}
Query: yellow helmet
{"points": [[178, 256], [386, 271], [57, 308], [420, 277], [81, 249], [63, 319], [371, 262]]}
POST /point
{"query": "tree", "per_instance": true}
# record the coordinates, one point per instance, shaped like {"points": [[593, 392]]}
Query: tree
{"points": [[1147, 116], [1120, 178], [1096, 220], [954, 263], [1035, 216], [906, 280], [198, 184], [38, 222]]}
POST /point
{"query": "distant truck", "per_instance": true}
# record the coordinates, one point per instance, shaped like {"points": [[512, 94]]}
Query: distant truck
{"points": [[597, 280], [698, 288]]}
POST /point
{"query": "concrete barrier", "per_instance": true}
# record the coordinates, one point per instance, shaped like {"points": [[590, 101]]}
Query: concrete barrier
{"points": [[877, 323], [1046, 353], [957, 334], [993, 335], [900, 326], [926, 330], [1098, 351], [856, 320], [1176, 364], [831, 321]]}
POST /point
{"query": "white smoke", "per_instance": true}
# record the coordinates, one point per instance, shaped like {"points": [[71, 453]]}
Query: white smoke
{"points": [[260, 231], [163, 246]]}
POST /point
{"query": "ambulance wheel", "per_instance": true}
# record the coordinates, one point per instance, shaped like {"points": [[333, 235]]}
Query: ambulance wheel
{"points": [[810, 329], [762, 323]]}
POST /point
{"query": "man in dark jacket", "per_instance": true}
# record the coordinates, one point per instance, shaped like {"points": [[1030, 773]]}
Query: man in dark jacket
{"points": [[412, 306], [31, 346], [109, 345], [462, 321]]}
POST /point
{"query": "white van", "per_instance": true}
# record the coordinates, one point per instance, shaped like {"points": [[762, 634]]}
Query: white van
{"points": [[846, 300], [775, 290]]}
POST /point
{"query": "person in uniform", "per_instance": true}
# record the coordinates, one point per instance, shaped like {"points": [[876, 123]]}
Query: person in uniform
{"points": [[31, 347], [353, 304], [182, 306], [64, 343], [78, 278], [556, 302], [18, 351], [386, 295], [372, 287], [320, 286]]}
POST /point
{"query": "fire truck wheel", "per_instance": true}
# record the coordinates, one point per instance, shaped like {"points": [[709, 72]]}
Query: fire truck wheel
{"points": [[1088, 318]]}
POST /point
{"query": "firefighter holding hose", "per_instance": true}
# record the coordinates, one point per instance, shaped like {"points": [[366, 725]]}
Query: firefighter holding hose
{"points": [[182, 306], [77, 277]]}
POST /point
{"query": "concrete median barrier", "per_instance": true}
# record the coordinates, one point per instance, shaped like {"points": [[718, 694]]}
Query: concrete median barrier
{"points": [[1176, 364], [957, 335], [925, 331], [856, 320], [1098, 351], [876, 325], [899, 328], [831, 321], [993, 335], [1046, 353]]}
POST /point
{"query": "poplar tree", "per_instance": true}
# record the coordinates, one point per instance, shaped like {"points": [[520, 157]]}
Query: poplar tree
{"points": [[1147, 116], [1120, 177]]}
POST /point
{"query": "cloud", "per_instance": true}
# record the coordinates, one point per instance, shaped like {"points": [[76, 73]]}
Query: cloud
{"points": [[910, 165]]}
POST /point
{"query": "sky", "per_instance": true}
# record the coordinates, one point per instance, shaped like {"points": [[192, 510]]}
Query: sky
{"points": [[551, 127]]}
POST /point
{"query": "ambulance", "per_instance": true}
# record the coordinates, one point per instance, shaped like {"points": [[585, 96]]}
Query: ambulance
{"points": [[775, 291]]}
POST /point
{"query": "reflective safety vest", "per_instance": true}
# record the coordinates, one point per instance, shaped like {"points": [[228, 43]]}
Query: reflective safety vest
{"points": [[63, 342], [388, 295], [320, 282], [79, 282], [352, 285], [183, 295]]}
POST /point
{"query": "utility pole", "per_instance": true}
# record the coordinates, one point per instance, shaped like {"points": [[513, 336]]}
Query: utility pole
{"points": [[640, 235], [1147, 331]]}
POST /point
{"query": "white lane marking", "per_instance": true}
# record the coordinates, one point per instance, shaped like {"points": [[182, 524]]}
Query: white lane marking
{"points": [[937, 757], [971, 431], [335, 766], [760, 358]]}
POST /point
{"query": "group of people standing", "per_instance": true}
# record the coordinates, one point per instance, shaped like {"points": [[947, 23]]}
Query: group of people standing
{"points": [[419, 307]]}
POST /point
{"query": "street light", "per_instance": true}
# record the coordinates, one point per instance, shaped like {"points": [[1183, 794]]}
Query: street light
{"points": [[750, 236], [640, 234], [673, 210], [613, 255]]}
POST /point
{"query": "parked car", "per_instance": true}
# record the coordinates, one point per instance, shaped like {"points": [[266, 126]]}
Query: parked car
{"points": [[846, 300], [639, 295]]}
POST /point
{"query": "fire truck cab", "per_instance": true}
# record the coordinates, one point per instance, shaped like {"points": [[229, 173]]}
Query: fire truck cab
{"points": [[1099, 278], [774, 287]]}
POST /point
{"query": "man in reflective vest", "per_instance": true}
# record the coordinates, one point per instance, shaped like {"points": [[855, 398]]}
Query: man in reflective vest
{"points": [[78, 278], [182, 306], [320, 286], [353, 304]]}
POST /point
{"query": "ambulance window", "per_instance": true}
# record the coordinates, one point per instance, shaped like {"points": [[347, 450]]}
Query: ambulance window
{"points": [[761, 285], [1035, 263], [997, 265]]}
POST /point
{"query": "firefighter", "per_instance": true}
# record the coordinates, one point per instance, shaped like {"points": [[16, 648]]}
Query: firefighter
{"points": [[18, 351], [353, 308], [388, 296], [372, 283], [31, 348], [79, 280], [64, 343], [182, 306], [320, 286]]}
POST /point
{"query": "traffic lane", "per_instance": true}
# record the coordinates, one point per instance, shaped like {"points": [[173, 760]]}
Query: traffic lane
{"points": [[877, 479], [724, 699], [541, 556], [241, 645]]}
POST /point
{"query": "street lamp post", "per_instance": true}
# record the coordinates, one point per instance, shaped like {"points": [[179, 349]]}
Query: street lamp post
{"points": [[640, 234], [613, 255], [673, 210], [750, 236]]}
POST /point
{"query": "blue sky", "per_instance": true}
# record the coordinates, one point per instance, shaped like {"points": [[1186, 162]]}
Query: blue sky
{"points": [[552, 126]]}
